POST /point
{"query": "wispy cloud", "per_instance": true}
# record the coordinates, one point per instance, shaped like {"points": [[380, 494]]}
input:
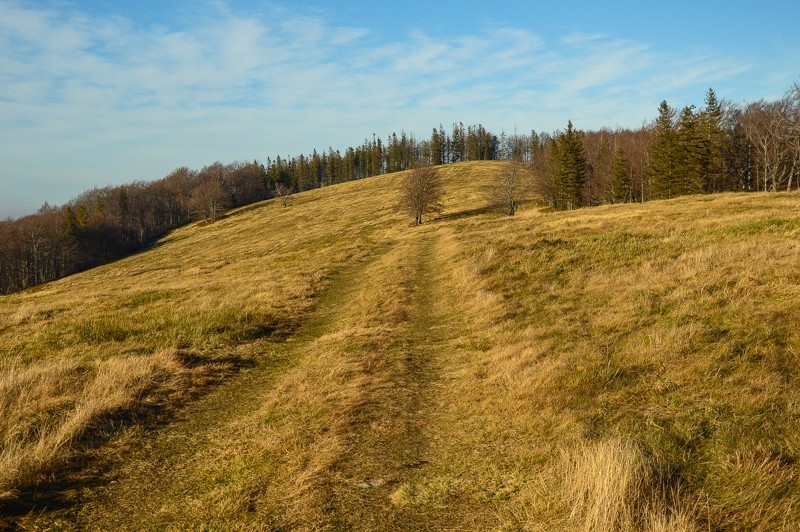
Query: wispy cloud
{"points": [[82, 97]]}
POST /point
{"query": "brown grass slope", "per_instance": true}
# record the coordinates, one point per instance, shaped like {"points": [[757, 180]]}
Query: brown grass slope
{"points": [[629, 367]]}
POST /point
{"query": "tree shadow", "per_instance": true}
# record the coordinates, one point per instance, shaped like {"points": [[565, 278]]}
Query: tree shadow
{"points": [[468, 213], [88, 467], [493, 208]]}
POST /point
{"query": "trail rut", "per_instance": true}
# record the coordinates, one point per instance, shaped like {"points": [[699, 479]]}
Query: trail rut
{"points": [[334, 428]]}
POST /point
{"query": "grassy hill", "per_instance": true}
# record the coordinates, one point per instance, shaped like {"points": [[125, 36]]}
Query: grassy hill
{"points": [[327, 365]]}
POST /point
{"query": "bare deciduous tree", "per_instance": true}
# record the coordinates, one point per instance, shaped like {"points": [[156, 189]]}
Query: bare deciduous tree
{"points": [[283, 192], [791, 122], [208, 200], [421, 192], [509, 186]]}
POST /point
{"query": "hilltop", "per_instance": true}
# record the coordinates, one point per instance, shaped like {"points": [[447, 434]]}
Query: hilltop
{"points": [[328, 365]]}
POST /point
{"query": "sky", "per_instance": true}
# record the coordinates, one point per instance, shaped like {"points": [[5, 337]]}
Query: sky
{"points": [[104, 92]]}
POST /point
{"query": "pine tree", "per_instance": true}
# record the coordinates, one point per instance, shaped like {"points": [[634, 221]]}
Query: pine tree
{"points": [[122, 201], [459, 151], [330, 167], [82, 216], [713, 140], [690, 152], [472, 144], [446, 144], [620, 177], [570, 163], [70, 222], [663, 160], [393, 154], [436, 148]]}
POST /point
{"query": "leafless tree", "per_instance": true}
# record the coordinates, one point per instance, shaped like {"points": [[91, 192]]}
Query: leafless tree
{"points": [[245, 183], [791, 127], [208, 200], [764, 129], [542, 169], [283, 192], [508, 186], [421, 192]]}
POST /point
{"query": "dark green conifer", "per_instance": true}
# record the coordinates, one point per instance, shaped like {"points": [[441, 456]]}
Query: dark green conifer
{"points": [[713, 145], [620, 177], [663, 155], [570, 163], [436, 147], [690, 154], [70, 222]]}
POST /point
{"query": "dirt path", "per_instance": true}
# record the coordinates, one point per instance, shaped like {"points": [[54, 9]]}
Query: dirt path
{"points": [[392, 447], [340, 421], [133, 486]]}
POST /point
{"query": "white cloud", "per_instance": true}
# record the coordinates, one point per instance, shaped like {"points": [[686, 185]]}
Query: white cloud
{"points": [[80, 92]]}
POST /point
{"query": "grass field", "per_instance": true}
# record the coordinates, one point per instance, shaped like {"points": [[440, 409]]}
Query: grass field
{"points": [[329, 366]]}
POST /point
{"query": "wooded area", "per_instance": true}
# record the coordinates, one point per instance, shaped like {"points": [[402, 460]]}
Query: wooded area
{"points": [[721, 147]]}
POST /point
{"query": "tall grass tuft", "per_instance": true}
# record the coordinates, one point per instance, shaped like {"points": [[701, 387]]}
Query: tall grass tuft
{"points": [[45, 408], [610, 485]]}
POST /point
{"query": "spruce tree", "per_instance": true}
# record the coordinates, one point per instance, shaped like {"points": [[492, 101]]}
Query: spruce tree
{"points": [[570, 163], [663, 159], [620, 177], [70, 222], [459, 143], [713, 140], [472, 144], [690, 154], [436, 148]]}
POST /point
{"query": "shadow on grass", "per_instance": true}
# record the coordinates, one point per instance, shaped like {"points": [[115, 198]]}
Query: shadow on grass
{"points": [[89, 467], [458, 215], [92, 463], [496, 209]]}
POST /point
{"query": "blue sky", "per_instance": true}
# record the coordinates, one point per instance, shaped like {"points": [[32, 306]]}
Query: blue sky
{"points": [[99, 92]]}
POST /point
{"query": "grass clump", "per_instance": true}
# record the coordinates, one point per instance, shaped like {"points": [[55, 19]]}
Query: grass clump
{"points": [[46, 408]]}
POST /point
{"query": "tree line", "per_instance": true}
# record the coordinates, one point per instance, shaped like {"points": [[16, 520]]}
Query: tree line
{"points": [[718, 148], [721, 147]]}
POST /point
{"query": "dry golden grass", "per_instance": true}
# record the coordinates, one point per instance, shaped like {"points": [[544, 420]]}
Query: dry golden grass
{"points": [[670, 324], [630, 367], [82, 347], [44, 408]]}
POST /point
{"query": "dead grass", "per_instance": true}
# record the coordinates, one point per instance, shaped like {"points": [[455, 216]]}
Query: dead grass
{"points": [[78, 348], [610, 485], [673, 331], [45, 408], [631, 367], [287, 470]]}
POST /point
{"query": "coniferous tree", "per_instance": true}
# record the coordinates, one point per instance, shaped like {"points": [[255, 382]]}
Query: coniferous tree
{"points": [[713, 145], [570, 172], [472, 143], [330, 167], [393, 154], [663, 161], [446, 144], [689, 154], [436, 148], [459, 150], [620, 177]]}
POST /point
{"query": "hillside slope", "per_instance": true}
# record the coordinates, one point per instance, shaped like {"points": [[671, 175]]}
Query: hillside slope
{"points": [[327, 365]]}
